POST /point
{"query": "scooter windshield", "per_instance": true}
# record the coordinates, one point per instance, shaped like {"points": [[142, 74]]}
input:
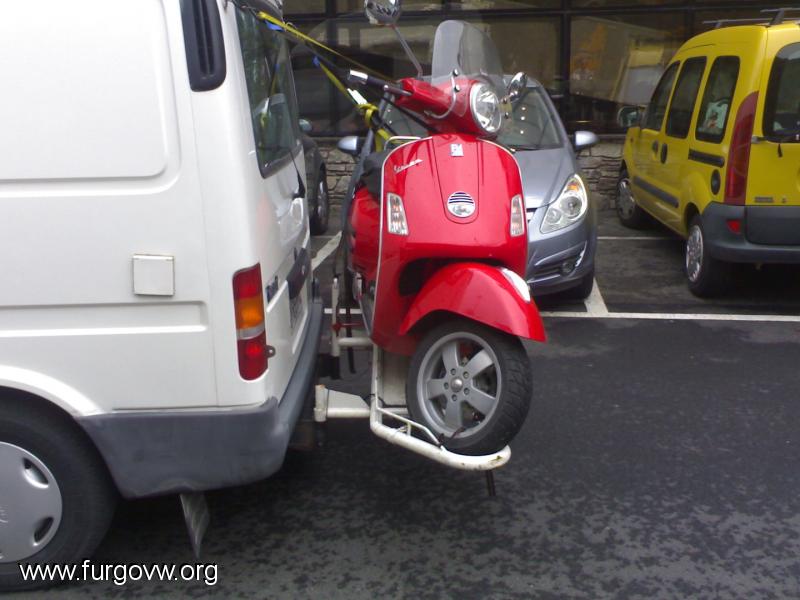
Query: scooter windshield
{"points": [[463, 46]]}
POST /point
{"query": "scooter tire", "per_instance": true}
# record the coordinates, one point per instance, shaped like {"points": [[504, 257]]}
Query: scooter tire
{"points": [[479, 433]]}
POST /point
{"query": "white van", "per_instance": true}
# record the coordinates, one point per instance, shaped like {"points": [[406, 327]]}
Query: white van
{"points": [[159, 323]]}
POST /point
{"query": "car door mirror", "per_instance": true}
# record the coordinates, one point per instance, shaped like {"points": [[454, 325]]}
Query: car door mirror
{"points": [[629, 116], [350, 145], [581, 140], [305, 125], [516, 86]]}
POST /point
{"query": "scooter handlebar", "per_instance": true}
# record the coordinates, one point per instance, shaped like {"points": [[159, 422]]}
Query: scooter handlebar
{"points": [[361, 78]]}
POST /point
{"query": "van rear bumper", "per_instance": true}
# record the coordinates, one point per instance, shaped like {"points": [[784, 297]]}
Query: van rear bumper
{"points": [[157, 452], [725, 245]]}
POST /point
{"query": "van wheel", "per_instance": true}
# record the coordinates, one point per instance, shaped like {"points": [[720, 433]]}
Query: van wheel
{"points": [[321, 212], [471, 386], [628, 212], [56, 499], [706, 275]]}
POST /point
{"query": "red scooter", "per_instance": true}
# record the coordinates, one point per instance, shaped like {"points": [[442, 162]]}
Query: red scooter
{"points": [[435, 235]]}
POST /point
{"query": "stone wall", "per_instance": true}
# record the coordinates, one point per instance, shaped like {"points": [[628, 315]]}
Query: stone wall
{"points": [[600, 166]]}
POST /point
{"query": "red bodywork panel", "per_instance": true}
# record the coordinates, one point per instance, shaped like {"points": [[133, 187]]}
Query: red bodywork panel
{"points": [[424, 174], [479, 292]]}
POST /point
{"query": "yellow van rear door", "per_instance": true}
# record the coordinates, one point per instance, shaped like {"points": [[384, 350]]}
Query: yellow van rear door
{"points": [[774, 170]]}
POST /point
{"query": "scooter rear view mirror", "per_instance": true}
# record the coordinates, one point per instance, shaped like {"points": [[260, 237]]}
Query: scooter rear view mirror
{"points": [[350, 145], [383, 12]]}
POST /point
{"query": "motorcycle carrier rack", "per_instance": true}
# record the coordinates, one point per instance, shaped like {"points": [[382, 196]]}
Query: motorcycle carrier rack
{"points": [[386, 408]]}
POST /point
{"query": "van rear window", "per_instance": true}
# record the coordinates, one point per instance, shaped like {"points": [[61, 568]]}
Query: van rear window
{"points": [[782, 107], [715, 107]]}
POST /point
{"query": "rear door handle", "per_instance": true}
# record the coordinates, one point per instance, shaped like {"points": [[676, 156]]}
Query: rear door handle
{"points": [[663, 153], [655, 147]]}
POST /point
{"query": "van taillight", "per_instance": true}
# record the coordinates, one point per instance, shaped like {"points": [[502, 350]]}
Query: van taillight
{"points": [[739, 157], [251, 337]]}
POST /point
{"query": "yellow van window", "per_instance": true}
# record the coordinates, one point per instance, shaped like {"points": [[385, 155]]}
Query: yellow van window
{"points": [[715, 107], [679, 119], [782, 107], [657, 108]]}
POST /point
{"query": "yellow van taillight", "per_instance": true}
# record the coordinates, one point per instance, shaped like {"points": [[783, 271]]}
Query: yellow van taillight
{"points": [[739, 155], [251, 336]]}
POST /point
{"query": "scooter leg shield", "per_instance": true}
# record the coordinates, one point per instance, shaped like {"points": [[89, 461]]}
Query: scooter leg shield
{"points": [[481, 293]]}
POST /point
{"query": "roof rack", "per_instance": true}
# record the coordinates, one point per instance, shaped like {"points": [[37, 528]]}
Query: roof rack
{"points": [[779, 16]]}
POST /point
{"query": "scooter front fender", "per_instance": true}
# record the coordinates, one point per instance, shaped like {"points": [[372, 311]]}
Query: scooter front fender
{"points": [[482, 293]]}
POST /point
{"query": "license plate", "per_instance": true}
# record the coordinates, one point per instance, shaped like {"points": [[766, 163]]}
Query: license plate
{"points": [[295, 310]]}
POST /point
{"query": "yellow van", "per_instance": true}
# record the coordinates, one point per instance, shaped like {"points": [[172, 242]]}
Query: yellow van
{"points": [[715, 156]]}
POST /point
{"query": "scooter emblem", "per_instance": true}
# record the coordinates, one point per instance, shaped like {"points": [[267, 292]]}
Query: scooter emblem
{"points": [[461, 204]]}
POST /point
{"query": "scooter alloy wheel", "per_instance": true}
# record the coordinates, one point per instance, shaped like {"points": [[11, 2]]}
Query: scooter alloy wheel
{"points": [[470, 385]]}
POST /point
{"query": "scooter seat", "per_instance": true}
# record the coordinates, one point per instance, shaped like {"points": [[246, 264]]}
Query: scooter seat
{"points": [[371, 175]]}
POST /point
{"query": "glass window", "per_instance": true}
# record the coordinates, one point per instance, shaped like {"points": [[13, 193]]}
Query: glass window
{"points": [[715, 107], [782, 107], [657, 108], [270, 90], [616, 60], [532, 125], [679, 119]]}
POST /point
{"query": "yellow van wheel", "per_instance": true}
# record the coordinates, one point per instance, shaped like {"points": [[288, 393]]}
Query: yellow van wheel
{"points": [[706, 276]]}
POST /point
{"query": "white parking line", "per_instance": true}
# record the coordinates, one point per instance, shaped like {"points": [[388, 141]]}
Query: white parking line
{"points": [[595, 305], [324, 252], [636, 237], [676, 316]]}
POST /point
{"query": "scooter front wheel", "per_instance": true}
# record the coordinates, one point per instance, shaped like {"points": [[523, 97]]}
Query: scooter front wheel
{"points": [[470, 385]]}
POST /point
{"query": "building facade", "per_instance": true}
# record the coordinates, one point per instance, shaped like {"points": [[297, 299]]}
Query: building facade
{"points": [[594, 56]]}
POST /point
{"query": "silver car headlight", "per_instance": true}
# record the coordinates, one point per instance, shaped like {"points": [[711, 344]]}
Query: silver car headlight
{"points": [[569, 208], [485, 106]]}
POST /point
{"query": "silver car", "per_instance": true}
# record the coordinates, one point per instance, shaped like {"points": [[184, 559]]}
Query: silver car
{"points": [[562, 219]]}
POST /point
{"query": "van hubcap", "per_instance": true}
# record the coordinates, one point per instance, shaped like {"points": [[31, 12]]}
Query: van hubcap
{"points": [[30, 504], [694, 254]]}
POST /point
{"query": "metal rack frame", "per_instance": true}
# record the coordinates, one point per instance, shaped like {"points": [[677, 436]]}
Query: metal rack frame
{"points": [[386, 406]]}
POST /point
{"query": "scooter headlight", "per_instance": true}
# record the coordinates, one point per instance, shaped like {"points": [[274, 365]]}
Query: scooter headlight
{"points": [[569, 208], [485, 106], [396, 222]]}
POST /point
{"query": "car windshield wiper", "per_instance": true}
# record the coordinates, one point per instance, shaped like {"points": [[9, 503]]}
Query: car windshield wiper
{"points": [[526, 147]]}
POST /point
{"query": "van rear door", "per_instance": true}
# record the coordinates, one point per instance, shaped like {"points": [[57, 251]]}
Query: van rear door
{"points": [[773, 188], [279, 184]]}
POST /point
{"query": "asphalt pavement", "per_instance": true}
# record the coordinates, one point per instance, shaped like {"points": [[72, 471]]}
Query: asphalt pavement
{"points": [[660, 459]]}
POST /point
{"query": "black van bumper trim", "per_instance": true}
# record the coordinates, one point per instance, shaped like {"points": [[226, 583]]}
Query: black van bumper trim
{"points": [[725, 245], [707, 159], [656, 191]]}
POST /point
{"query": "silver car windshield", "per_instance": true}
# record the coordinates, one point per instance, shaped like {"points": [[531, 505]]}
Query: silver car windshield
{"points": [[532, 125]]}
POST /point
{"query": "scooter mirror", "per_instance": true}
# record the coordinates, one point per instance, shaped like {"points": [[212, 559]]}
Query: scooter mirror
{"points": [[350, 145], [517, 85], [383, 12]]}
